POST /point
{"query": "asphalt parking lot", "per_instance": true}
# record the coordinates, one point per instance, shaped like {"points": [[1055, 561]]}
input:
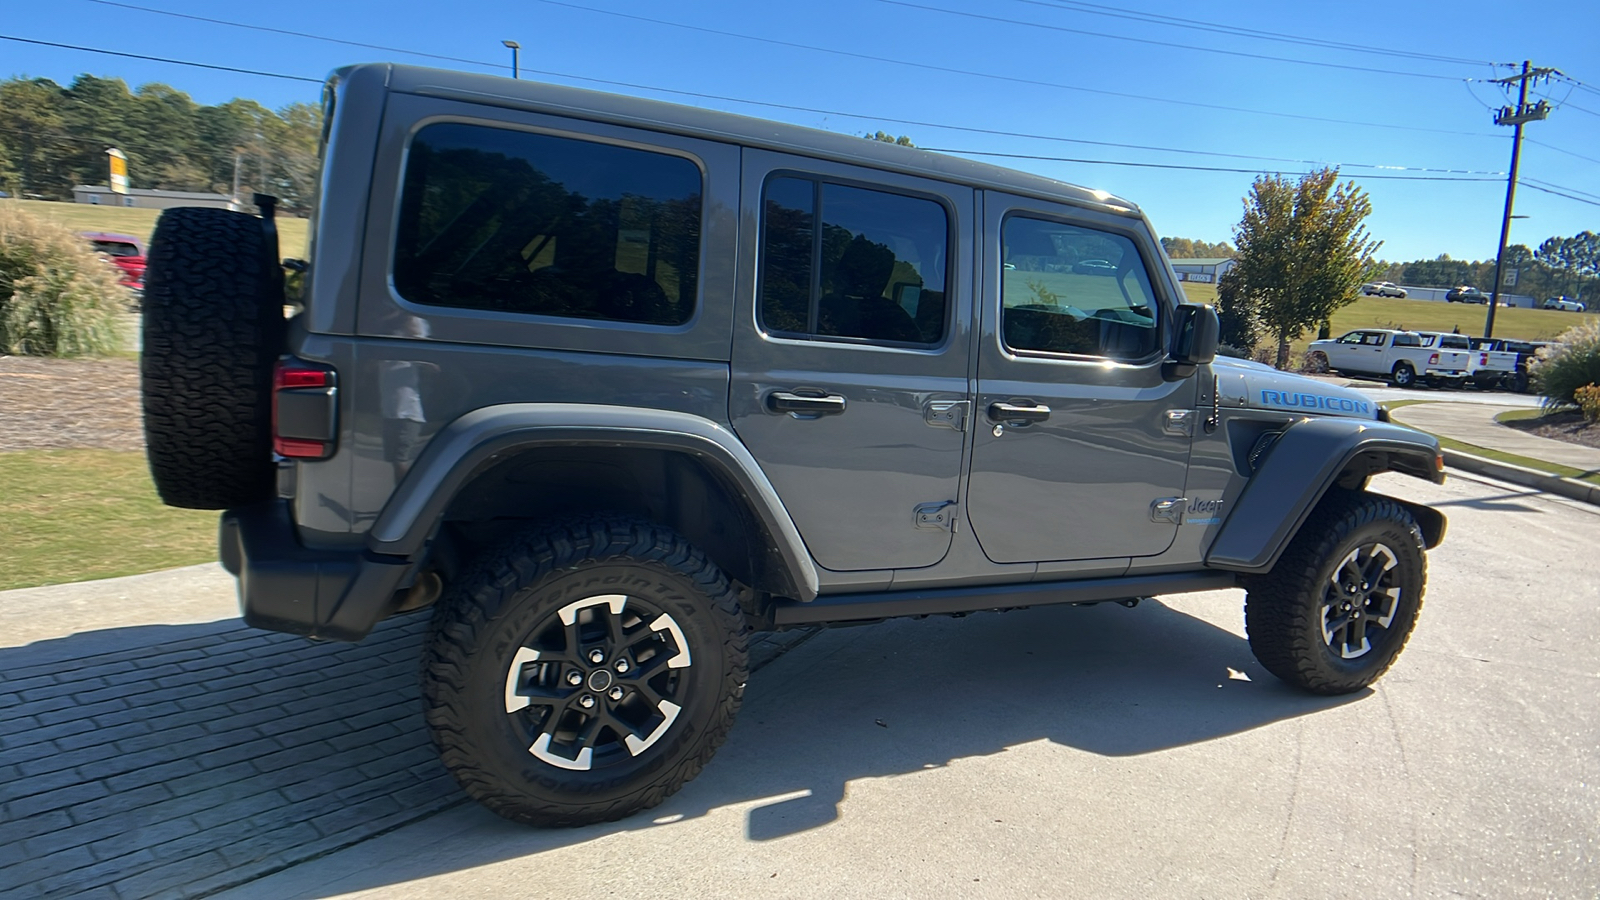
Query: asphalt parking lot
{"points": [[1098, 752]]}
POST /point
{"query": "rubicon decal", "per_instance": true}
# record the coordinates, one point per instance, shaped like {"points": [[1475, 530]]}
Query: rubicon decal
{"points": [[1287, 400]]}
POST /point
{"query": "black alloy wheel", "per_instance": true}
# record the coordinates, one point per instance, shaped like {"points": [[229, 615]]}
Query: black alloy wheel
{"points": [[599, 682], [1360, 600]]}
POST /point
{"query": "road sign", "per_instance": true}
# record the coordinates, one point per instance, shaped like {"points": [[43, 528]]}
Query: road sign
{"points": [[119, 171]]}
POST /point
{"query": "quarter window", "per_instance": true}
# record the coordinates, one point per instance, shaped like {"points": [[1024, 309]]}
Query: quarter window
{"points": [[1070, 289], [874, 270], [518, 222]]}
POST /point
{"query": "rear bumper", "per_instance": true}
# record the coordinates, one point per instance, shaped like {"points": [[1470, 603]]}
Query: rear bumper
{"points": [[283, 586]]}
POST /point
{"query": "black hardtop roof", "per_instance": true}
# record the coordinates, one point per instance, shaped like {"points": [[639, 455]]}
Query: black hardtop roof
{"points": [[693, 121]]}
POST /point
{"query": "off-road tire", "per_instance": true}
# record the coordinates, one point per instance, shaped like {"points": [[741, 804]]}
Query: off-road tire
{"points": [[213, 327], [1403, 376], [1284, 609], [506, 597]]}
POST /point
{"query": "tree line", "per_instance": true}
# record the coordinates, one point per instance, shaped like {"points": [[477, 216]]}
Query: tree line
{"points": [[1559, 266], [53, 138]]}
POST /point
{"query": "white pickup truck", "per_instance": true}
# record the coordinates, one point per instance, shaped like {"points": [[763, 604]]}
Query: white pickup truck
{"points": [[1486, 365], [1404, 357]]}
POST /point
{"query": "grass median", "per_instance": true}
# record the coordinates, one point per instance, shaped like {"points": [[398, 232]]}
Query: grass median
{"points": [[76, 515]]}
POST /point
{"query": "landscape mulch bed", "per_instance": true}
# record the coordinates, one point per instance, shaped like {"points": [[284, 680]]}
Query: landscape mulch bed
{"points": [[1565, 426], [69, 404]]}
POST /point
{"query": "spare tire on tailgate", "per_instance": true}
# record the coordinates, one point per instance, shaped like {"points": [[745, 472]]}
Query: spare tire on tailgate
{"points": [[213, 329]]}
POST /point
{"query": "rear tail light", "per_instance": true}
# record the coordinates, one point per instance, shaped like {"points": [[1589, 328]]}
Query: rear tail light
{"points": [[304, 410], [1433, 360]]}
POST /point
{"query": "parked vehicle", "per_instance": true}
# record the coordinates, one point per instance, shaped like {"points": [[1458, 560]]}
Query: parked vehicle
{"points": [[1565, 305], [613, 383], [1383, 289], [125, 251], [1524, 352], [1486, 366], [1465, 294], [1404, 357]]}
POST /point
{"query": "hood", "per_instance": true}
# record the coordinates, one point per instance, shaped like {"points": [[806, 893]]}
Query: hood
{"points": [[1244, 384]]}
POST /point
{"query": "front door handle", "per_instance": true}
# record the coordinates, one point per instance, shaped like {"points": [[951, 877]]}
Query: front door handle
{"points": [[1013, 412], [801, 404]]}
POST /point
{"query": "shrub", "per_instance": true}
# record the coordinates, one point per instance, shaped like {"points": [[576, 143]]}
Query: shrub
{"points": [[1233, 352], [1572, 363], [57, 296], [1588, 400]]}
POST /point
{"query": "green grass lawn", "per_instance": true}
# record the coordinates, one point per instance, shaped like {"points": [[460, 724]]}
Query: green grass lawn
{"points": [[75, 515], [1429, 315], [140, 222]]}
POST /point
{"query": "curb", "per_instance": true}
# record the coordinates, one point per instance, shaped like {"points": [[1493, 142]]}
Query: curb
{"points": [[1520, 475]]}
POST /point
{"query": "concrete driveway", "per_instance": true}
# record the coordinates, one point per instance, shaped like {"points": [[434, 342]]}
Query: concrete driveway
{"points": [[1107, 752]]}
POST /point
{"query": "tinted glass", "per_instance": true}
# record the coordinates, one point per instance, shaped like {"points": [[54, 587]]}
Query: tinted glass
{"points": [[875, 270], [1068, 289], [529, 223]]}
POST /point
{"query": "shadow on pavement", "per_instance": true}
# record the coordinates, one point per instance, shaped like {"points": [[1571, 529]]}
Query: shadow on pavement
{"points": [[903, 696]]}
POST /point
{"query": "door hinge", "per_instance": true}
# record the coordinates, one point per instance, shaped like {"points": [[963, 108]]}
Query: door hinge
{"points": [[939, 516], [946, 414], [1168, 509]]}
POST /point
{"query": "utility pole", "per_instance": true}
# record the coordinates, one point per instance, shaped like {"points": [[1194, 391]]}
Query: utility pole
{"points": [[1506, 115]]}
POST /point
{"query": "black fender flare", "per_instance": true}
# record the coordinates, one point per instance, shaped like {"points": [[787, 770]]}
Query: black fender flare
{"points": [[477, 440], [1300, 468]]}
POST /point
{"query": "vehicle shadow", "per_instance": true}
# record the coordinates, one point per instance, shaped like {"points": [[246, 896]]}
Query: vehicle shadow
{"points": [[900, 697]]}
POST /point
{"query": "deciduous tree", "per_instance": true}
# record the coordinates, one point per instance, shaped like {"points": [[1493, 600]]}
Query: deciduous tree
{"points": [[1303, 252]]}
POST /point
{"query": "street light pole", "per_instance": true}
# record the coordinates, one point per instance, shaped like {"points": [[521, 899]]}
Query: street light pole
{"points": [[515, 69]]}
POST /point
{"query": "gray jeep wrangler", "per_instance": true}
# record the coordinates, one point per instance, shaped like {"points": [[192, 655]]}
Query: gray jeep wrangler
{"points": [[611, 384]]}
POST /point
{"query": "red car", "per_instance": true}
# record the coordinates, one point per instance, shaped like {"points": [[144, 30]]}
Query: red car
{"points": [[125, 250]]}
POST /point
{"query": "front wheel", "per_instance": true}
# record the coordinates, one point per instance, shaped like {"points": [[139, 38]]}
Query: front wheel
{"points": [[1338, 607], [584, 672]]}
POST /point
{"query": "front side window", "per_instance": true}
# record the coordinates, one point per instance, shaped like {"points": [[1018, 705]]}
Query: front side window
{"points": [[874, 270], [1070, 289], [517, 222]]}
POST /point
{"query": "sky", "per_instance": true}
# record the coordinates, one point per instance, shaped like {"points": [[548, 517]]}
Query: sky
{"points": [[1403, 103]]}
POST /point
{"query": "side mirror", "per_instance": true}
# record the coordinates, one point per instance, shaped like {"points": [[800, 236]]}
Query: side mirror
{"points": [[1198, 331]]}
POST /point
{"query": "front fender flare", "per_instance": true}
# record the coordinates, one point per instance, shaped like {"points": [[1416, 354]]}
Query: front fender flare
{"points": [[1300, 468], [484, 436]]}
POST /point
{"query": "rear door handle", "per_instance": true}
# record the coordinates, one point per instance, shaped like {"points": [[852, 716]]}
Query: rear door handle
{"points": [[1013, 412], [827, 405]]}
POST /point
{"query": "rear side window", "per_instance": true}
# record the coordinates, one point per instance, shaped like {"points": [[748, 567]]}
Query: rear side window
{"points": [[1070, 289], [529, 223], [1407, 340], [874, 270]]}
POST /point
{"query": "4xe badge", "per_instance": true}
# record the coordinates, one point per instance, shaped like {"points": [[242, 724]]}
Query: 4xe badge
{"points": [[1203, 512]]}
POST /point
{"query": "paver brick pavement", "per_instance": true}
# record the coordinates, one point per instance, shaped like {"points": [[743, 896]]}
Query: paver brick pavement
{"points": [[178, 760]]}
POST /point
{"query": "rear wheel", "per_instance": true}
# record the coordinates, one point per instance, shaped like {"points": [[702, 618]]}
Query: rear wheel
{"points": [[1403, 376], [1340, 604], [584, 672]]}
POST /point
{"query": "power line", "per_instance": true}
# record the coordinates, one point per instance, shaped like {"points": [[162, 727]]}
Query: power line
{"points": [[1195, 47], [1559, 193], [300, 34], [160, 59], [1561, 150], [1560, 187], [1150, 165], [1237, 31], [996, 77]]}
